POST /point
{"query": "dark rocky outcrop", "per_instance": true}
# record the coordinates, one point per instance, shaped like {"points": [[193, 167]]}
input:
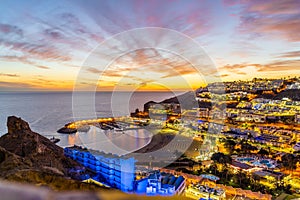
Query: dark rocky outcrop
{"points": [[10, 163], [17, 125], [23, 142], [26, 156]]}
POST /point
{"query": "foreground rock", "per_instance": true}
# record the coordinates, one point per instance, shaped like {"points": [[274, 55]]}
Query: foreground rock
{"points": [[36, 149], [26, 156]]}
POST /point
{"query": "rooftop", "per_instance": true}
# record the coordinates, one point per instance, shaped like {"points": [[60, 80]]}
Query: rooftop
{"points": [[241, 165], [264, 173], [97, 153], [167, 179], [207, 189]]}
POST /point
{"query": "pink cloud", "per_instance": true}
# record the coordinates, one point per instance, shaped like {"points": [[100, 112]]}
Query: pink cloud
{"points": [[279, 18], [191, 17], [280, 65], [274, 7], [7, 29], [42, 67], [36, 51], [291, 54]]}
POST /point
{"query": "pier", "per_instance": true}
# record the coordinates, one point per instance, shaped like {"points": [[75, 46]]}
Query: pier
{"points": [[119, 124]]}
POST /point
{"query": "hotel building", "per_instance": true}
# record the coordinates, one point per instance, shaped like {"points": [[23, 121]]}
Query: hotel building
{"points": [[117, 171]]}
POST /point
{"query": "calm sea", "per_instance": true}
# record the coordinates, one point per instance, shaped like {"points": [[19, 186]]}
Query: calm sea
{"points": [[47, 112]]}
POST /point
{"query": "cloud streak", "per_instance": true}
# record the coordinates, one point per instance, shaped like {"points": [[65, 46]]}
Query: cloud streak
{"points": [[281, 65], [15, 86], [165, 64], [9, 75], [190, 17], [291, 54], [42, 67], [279, 18], [10, 29]]}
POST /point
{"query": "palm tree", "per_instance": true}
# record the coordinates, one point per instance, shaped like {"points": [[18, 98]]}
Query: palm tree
{"points": [[221, 158], [289, 161], [263, 152], [246, 147], [229, 144], [254, 179], [224, 160]]}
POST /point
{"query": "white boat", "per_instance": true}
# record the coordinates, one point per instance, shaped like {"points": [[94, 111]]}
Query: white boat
{"points": [[54, 140]]}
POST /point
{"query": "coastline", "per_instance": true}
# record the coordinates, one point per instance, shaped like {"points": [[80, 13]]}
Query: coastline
{"points": [[160, 138], [109, 141], [159, 153]]}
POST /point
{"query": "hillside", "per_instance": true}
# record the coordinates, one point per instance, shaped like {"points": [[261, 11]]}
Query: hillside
{"points": [[186, 100], [291, 94]]}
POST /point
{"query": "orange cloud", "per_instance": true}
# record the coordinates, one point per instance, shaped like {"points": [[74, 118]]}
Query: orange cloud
{"points": [[147, 60]]}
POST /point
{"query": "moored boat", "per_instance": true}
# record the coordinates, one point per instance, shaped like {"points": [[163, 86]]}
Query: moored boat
{"points": [[54, 140]]}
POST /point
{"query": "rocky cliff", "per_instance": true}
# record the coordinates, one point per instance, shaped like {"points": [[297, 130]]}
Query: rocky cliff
{"points": [[26, 156], [37, 150]]}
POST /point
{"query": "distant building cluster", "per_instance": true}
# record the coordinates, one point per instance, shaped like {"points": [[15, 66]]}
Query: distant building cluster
{"points": [[294, 86], [257, 84]]}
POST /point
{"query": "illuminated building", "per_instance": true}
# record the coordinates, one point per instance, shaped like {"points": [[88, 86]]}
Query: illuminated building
{"points": [[205, 192], [117, 171], [163, 184]]}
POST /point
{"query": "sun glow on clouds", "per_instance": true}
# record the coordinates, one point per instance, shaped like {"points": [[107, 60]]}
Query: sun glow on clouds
{"points": [[45, 50], [145, 69]]}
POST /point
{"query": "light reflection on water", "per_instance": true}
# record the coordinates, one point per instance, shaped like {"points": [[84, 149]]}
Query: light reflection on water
{"points": [[109, 141]]}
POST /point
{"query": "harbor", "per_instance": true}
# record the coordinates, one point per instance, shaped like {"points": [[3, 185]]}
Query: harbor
{"points": [[119, 124]]}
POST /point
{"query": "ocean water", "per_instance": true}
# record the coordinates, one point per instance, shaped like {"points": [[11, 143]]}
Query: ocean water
{"points": [[46, 112]]}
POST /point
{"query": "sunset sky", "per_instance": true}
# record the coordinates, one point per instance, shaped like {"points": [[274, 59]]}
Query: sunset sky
{"points": [[44, 44]]}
